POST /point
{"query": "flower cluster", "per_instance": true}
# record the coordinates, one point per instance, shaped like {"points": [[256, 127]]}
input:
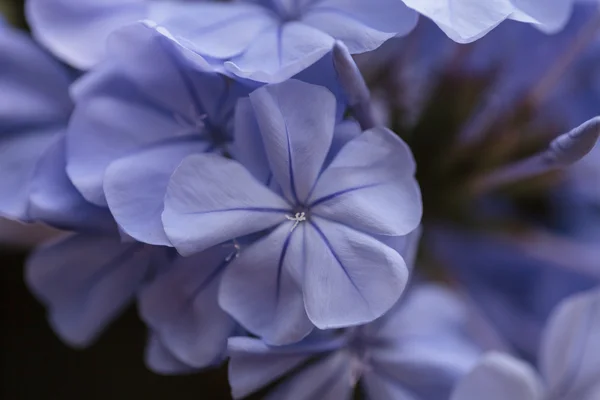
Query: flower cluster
{"points": [[334, 217]]}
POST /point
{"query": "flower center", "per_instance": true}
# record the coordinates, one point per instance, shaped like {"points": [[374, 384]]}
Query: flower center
{"points": [[297, 218]]}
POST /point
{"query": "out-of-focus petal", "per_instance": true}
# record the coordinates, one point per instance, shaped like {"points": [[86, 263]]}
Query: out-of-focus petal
{"points": [[181, 306], [76, 31], [86, 280], [499, 377], [569, 359]]}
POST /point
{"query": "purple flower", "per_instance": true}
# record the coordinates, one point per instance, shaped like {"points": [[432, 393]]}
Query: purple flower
{"points": [[138, 115], [85, 279], [568, 360], [418, 350], [322, 260], [266, 40]]}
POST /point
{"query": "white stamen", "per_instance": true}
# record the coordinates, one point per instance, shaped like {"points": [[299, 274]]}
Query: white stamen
{"points": [[297, 218]]}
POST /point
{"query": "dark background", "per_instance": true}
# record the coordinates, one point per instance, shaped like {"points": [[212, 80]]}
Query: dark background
{"points": [[36, 365]]}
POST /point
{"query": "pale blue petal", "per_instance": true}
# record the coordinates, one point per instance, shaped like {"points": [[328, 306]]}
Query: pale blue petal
{"points": [[104, 128], [253, 364], [499, 377], [214, 30], [327, 379], [349, 277], [86, 280], [464, 20], [362, 26], [55, 201], [296, 134], [211, 199], [181, 306], [33, 86], [280, 52], [19, 156], [247, 146], [550, 15], [135, 188], [260, 291], [144, 94], [159, 360], [75, 30], [569, 359], [370, 186]]}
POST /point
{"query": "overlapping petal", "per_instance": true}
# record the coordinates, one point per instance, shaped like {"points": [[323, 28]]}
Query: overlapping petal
{"points": [[54, 23], [297, 137], [135, 187], [349, 277], [370, 186], [211, 199], [54, 200], [85, 280], [146, 93], [499, 377], [261, 291], [362, 26], [572, 336], [182, 308]]}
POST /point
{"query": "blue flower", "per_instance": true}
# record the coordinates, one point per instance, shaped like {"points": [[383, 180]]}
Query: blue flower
{"points": [[266, 40], [468, 20], [139, 114], [568, 360], [323, 260], [418, 350], [86, 278]]}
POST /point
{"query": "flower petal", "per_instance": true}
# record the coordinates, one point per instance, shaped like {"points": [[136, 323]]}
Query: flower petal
{"points": [[135, 188], [86, 280], [297, 134], [54, 21], [55, 201], [181, 306], [145, 93], [33, 86], [214, 30], [105, 128], [464, 20], [362, 26], [326, 379], [248, 147], [19, 156], [349, 278], [569, 359], [211, 199], [260, 291], [280, 52], [499, 377], [253, 364], [370, 186], [160, 361]]}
